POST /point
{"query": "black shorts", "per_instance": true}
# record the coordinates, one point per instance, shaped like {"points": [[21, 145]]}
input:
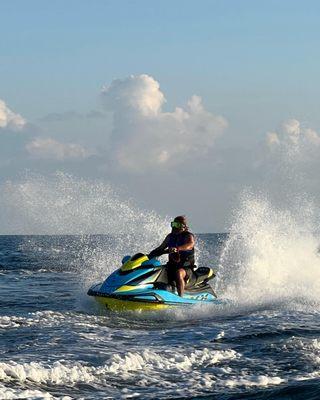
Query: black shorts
{"points": [[172, 272]]}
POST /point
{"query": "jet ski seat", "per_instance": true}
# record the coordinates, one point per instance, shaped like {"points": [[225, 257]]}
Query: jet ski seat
{"points": [[199, 275]]}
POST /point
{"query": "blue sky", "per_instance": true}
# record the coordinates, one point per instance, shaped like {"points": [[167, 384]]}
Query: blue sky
{"points": [[255, 63], [55, 55]]}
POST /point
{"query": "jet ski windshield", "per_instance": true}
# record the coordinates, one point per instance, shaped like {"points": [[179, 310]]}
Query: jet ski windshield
{"points": [[134, 262]]}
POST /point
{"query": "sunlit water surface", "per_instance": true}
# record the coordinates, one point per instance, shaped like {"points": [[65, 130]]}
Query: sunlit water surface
{"points": [[56, 343]]}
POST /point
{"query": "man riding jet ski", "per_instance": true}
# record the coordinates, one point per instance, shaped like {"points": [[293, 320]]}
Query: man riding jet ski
{"points": [[142, 283], [180, 246]]}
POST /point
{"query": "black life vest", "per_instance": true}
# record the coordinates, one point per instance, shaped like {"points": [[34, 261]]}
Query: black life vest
{"points": [[179, 239]]}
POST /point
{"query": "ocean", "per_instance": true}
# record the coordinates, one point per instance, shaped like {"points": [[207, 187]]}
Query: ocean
{"points": [[263, 343]]}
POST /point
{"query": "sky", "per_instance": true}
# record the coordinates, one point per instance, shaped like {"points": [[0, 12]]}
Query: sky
{"points": [[180, 104]]}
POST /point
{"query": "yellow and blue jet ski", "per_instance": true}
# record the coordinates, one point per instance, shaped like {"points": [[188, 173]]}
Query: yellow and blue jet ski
{"points": [[142, 284]]}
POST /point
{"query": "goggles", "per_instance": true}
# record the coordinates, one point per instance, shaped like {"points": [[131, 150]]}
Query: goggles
{"points": [[178, 225]]}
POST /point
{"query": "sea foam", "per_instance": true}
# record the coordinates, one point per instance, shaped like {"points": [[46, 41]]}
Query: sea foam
{"points": [[272, 253]]}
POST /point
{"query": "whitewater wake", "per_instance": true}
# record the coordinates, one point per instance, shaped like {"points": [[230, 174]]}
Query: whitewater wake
{"points": [[272, 253]]}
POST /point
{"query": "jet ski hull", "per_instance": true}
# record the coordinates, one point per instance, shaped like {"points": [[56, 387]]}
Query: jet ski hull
{"points": [[118, 305], [153, 300]]}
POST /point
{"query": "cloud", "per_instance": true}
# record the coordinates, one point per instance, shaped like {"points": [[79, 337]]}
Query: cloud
{"points": [[138, 95], [293, 138], [48, 148], [290, 160], [312, 137], [19, 151], [272, 139], [9, 119], [145, 137]]}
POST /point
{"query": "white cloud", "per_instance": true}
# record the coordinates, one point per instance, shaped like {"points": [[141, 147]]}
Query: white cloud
{"points": [[293, 138], [292, 128], [312, 136], [136, 94], [144, 136], [272, 139], [9, 119], [48, 148]]}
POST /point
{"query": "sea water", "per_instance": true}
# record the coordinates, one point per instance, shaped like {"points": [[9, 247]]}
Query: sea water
{"points": [[56, 343], [262, 343]]}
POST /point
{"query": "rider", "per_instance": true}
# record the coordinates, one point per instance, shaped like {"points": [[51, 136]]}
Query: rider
{"points": [[180, 246]]}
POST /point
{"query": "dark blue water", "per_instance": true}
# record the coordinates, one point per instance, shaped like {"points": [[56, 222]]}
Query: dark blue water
{"points": [[56, 343]]}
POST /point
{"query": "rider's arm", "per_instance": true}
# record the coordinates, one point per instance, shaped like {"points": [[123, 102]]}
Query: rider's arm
{"points": [[159, 250], [187, 246]]}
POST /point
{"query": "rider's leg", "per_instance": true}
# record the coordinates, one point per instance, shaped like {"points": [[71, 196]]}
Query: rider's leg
{"points": [[180, 277]]}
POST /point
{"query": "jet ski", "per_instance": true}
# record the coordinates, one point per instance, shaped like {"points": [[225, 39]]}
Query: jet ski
{"points": [[142, 284]]}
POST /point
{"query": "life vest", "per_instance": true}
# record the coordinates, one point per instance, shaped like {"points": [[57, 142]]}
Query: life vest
{"points": [[179, 239]]}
